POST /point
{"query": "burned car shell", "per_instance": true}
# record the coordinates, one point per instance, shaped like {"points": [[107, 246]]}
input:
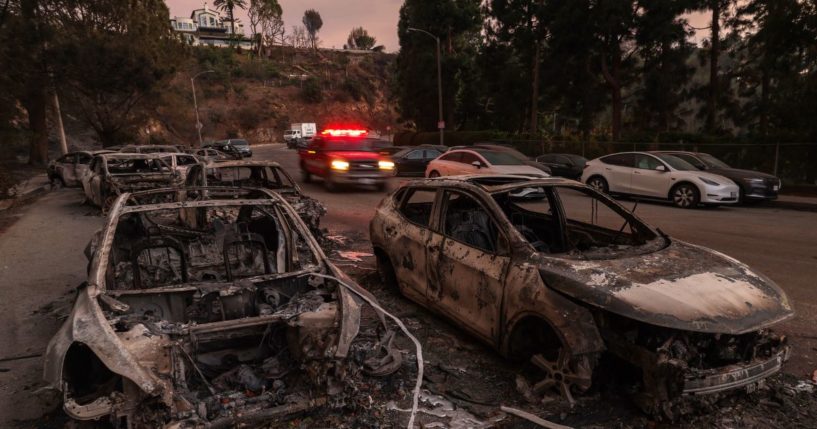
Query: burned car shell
{"points": [[591, 304], [148, 362], [309, 209], [102, 186]]}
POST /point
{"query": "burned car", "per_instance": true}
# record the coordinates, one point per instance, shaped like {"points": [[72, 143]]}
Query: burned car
{"points": [[112, 174], [212, 310], [259, 174], [69, 169], [554, 273]]}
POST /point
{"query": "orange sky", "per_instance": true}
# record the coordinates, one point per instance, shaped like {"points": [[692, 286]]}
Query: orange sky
{"points": [[379, 17]]}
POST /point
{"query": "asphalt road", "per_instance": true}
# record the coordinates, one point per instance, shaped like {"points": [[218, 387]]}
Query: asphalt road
{"points": [[41, 261]]}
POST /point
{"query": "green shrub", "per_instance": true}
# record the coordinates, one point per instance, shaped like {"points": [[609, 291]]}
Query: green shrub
{"points": [[311, 90]]}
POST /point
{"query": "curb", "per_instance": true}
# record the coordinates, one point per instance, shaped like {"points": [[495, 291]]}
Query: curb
{"points": [[26, 195]]}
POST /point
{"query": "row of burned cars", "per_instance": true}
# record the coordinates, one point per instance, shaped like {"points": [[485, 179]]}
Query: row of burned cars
{"points": [[213, 304]]}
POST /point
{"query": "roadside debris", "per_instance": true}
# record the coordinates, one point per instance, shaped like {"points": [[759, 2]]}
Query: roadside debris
{"points": [[532, 418]]}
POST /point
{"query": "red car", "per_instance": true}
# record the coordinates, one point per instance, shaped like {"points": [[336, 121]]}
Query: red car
{"points": [[346, 156]]}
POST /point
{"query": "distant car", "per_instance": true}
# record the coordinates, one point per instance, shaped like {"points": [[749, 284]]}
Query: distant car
{"points": [[180, 162], [552, 272], [659, 176], [214, 155], [259, 174], [112, 174], [412, 161], [480, 161], [291, 138], [754, 185], [225, 147], [150, 148], [513, 152], [242, 145], [564, 164], [69, 169]]}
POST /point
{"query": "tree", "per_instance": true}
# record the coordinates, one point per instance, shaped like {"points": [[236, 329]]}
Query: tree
{"points": [[267, 14], [359, 39], [229, 6], [111, 57], [298, 37], [312, 23]]}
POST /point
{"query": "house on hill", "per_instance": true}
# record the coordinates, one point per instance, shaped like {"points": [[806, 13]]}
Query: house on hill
{"points": [[206, 27]]}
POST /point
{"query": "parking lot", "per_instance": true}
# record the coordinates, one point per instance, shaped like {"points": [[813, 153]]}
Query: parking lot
{"points": [[42, 261]]}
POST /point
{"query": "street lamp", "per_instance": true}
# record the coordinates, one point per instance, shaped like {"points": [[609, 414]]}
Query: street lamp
{"points": [[440, 122], [195, 104]]}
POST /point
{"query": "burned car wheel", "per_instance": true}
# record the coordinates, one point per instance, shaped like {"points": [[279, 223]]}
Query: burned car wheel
{"points": [[385, 269], [563, 374]]}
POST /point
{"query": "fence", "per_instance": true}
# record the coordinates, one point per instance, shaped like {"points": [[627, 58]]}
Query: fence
{"points": [[795, 163]]}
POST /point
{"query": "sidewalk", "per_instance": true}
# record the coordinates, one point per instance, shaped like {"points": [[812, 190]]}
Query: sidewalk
{"points": [[27, 190]]}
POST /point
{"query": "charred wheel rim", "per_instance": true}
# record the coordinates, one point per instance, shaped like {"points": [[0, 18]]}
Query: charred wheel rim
{"points": [[684, 196], [562, 374]]}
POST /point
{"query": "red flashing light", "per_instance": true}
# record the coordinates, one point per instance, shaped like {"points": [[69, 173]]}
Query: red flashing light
{"points": [[344, 132]]}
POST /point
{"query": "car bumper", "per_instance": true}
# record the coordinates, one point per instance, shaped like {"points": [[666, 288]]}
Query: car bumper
{"points": [[727, 194], [761, 191], [355, 178], [736, 376]]}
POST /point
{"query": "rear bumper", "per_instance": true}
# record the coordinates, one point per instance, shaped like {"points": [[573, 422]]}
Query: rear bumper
{"points": [[736, 376]]}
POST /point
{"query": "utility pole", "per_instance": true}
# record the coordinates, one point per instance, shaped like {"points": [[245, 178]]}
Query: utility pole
{"points": [[60, 128], [196, 104], [440, 121]]}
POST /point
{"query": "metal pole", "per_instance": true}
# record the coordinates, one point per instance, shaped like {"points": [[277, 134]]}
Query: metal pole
{"points": [[60, 128], [195, 102], [440, 121]]}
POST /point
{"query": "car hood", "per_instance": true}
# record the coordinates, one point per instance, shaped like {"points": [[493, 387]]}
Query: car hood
{"points": [[682, 286], [738, 174]]}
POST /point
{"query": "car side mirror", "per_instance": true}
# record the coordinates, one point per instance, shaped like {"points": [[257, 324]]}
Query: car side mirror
{"points": [[477, 164], [661, 168]]}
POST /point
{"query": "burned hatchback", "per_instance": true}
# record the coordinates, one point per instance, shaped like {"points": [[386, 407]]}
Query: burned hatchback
{"points": [[212, 308], [551, 272]]}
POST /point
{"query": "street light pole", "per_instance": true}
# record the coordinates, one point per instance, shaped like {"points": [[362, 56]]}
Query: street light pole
{"points": [[195, 103], [440, 121]]}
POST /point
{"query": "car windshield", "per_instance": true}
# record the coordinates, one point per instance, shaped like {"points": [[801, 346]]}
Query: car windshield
{"points": [[500, 158], [711, 161], [676, 163], [239, 143], [402, 153]]}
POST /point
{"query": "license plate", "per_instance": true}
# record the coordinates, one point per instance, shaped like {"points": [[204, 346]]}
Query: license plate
{"points": [[775, 188], [367, 181], [733, 194]]}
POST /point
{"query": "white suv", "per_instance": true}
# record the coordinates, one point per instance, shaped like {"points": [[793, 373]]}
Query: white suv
{"points": [[659, 176], [480, 161]]}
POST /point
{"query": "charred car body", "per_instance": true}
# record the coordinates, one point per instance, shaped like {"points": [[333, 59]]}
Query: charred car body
{"points": [[113, 174], [259, 174], [553, 272], [213, 309], [70, 168]]}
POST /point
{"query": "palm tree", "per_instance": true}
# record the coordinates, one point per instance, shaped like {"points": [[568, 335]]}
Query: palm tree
{"points": [[228, 6]]}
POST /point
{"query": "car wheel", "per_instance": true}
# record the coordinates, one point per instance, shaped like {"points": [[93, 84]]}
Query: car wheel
{"points": [[330, 184], [433, 174], [685, 196], [385, 269], [565, 373], [598, 183]]}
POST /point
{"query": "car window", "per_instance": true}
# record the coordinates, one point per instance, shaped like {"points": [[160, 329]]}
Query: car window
{"points": [[502, 158], [468, 158], [466, 221], [276, 178], [620, 159], [185, 160], [418, 205], [431, 153], [646, 162], [676, 163], [530, 211], [593, 224], [415, 154], [546, 158], [712, 161], [454, 157]]}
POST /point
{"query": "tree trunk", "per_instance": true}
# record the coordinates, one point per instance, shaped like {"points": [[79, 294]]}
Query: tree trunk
{"points": [[613, 77], [534, 100], [714, 57], [36, 104]]}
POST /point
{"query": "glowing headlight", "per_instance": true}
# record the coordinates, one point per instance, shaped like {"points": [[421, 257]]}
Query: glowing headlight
{"points": [[385, 165], [709, 182], [338, 164]]}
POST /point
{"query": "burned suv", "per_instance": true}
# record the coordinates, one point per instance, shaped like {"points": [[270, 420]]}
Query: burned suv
{"points": [[210, 307], [553, 272], [112, 174]]}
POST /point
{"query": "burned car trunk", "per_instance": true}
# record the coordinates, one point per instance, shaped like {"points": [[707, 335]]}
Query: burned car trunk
{"points": [[214, 309], [552, 272]]}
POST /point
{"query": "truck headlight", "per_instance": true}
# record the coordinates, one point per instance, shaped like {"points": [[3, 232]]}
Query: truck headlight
{"points": [[385, 165], [339, 164]]}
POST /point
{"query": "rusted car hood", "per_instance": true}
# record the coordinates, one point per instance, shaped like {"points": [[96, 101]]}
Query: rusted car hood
{"points": [[681, 286]]}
